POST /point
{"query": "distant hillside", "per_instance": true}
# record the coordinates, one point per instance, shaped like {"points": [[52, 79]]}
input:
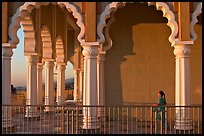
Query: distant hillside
{"points": [[69, 85]]}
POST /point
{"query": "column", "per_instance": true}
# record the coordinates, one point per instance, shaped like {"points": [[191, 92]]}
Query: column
{"points": [[182, 87], [39, 84], [6, 85], [61, 83], [81, 78], [76, 86], [101, 83], [90, 51], [49, 85], [31, 91]]}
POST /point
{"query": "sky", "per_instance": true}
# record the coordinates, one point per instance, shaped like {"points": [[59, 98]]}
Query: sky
{"points": [[19, 67]]}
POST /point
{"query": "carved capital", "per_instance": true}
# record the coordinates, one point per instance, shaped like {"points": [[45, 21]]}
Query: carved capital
{"points": [[61, 66], [31, 59], [6, 51], [181, 51], [49, 64], [39, 66], [90, 50]]}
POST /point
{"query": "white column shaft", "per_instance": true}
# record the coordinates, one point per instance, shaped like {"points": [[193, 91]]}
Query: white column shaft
{"points": [[182, 87], [76, 86], [60, 84], [6, 84], [31, 91], [39, 84], [90, 118], [49, 85]]}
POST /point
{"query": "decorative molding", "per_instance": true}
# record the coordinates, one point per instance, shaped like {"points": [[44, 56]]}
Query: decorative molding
{"points": [[29, 6], [115, 5], [59, 50], [46, 43], [194, 20], [181, 51], [90, 51]]}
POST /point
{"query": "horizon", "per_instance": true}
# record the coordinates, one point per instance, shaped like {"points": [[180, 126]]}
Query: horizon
{"points": [[19, 66]]}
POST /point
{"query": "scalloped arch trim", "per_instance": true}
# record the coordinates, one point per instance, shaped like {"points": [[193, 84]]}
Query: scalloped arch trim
{"points": [[114, 7], [29, 6]]}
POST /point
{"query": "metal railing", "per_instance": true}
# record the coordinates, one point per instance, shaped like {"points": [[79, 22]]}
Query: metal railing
{"points": [[80, 119]]}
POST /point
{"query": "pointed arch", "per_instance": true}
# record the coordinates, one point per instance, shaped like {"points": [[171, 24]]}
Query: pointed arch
{"points": [[194, 20], [29, 6], [114, 6]]}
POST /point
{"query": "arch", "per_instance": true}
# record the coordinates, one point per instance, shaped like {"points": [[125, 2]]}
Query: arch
{"points": [[194, 20], [29, 6], [159, 6], [59, 50], [29, 35], [46, 43]]}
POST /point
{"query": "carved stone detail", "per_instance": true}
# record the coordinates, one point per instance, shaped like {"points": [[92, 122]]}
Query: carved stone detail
{"points": [[194, 20], [181, 51]]}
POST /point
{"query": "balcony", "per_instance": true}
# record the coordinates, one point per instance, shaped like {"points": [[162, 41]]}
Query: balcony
{"points": [[74, 119]]}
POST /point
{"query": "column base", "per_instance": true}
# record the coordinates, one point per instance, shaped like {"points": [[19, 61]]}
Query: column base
{"points": [[90, 123], [31, 112], [183, 124], [89, 131], [49, 109]]}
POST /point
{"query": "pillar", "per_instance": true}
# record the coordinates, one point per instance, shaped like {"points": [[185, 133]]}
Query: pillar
{"points": [[49, 85], [6, 85], [100, 82], [182, 86], [61, 83], [31, 89], [81, 78], [90, 52], [39, 84], [76, 86]]}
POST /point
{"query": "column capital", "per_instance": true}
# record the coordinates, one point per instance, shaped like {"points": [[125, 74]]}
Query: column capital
{"points": [[39, 66], [31, 59], [90, 49], [181, 51], [49, 63], [76, 71], [6, 51], [61, 66]]}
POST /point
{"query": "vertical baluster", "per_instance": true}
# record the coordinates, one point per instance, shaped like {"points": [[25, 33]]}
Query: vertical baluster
{"points": [[72, 122], [118, 120]]}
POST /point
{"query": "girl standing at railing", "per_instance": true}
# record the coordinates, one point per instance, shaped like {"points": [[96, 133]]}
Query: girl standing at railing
{"points": [[161, 103]]}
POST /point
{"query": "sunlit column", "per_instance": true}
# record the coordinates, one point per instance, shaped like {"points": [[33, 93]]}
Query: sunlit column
{"points": [[81, 78], [49, 85], [100, 82], [182, 86], [90, 51], [39, 84], [31, 91], [76, 86], [6, 84], [61, 83]]}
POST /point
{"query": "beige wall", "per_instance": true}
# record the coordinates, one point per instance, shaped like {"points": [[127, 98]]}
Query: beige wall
{"points": [[196, 65], [141, 60]]}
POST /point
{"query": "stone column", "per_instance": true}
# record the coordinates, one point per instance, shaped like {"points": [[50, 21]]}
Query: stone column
{"points": [[49, 85], [182, 87], [81, 75], [39, 84], [31, 91], [6, 85], [90, 51], [100, 82], [76, 86], [61, 83]]}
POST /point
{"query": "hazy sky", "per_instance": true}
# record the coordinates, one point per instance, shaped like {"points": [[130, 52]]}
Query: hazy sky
{"points": [[19, 68]]}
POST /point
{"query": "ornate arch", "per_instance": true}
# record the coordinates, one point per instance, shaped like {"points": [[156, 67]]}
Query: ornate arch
{"points": [[29, 6], [194, 20], [114, 7], [59, 50], [46, 43], [29, 35]]}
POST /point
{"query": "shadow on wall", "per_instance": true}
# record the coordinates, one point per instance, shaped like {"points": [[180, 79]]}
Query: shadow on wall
{"points": [[121, 33]]}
